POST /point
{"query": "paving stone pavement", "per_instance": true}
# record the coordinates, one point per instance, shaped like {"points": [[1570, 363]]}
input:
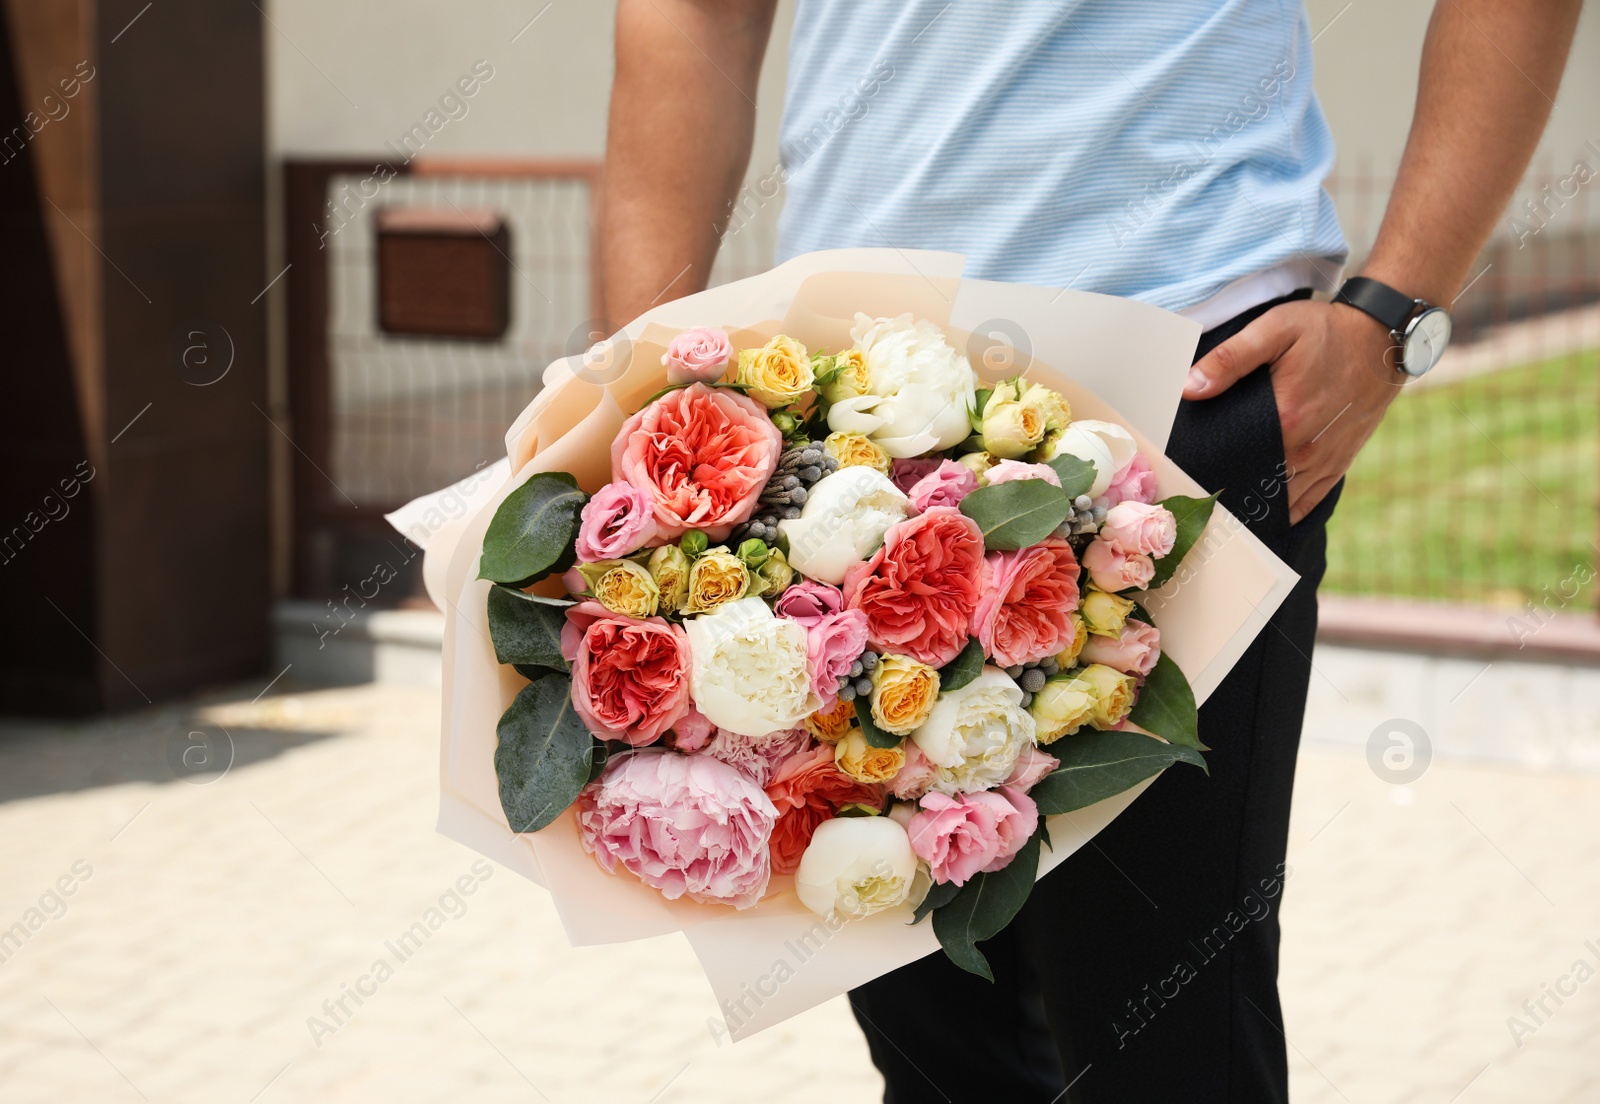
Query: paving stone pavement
{"points": [[210, 918]]}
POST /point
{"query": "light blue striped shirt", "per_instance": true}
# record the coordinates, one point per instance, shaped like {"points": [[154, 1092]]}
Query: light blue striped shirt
{"points": [[1169, 152]]}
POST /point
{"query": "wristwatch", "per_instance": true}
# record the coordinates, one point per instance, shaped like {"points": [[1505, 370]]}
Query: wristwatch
{"points": [[1419, 329]]}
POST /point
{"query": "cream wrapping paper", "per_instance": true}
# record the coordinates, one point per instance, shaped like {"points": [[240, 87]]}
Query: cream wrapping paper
{"points": [[1114, 359]]}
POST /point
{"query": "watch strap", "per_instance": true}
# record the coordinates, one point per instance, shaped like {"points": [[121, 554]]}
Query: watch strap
{"points": [[1391, 307]]}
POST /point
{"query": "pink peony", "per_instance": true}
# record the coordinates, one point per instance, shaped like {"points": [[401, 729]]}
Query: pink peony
{"points": [[916, 776], [758, 757], [1032, 766], [686, 825], [1133, 653], [1111, 569], [630, 678], [703, 453], [920, 588], [808, 789], [1008, 471], [698, 355], [1138, 527], [1028, 597], [1134, 482], [945, 485], [619, 519], [808, 602], [971, 833], [905, 473]]}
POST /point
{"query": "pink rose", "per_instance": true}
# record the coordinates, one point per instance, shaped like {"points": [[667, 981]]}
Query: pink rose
{"points": [[1007, 471], [1111, 569], [686, 825], [1032, 766], [619, 519], [920, 588], [1025, 613], [630, 678], [1134, 482], [945, 485], [758, 757], [1133, 653], [691, 731], [807, 602], [807, 790], [905, 473], [703, 453], [971, 833], [915, 776], [1140, 527], [698, 355]]}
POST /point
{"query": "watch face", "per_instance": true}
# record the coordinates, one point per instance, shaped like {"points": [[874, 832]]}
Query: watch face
{"points": [[1426, 340]]}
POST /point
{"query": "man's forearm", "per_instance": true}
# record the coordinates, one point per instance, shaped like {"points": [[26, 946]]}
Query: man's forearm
{"points": [[1490, 71], [678, 143]]}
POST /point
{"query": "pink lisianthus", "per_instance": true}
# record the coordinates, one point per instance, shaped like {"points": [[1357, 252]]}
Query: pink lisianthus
{"points": [[945, 485], [703, 454], [1134, 482], [920, 588], [807, 790], [758, 757], [1139, 527], [698, 355], [905, 473], [619, 519], [1032, 766], [808, 602], [1008, 471], [630, 678], [1111, 569], [916, 776], [835, 636], [1134, 652], [967, 834], [686, 825], [1025, 612]]}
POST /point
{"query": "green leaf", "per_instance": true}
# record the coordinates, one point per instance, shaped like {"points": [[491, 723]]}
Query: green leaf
{"points": [[875, 736], [532, 531], [1139, 613], [544, 756], [1098, 765], [1077, 474], [1166, 706], [667, 390], [983, 907], [939, 895], [599, 754], [965, 667], [526, 629], [975, 411], [1016, 514], [1191, 515]]}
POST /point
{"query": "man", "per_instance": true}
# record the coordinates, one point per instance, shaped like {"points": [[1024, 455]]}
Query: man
{"points": [[1167, 152]]}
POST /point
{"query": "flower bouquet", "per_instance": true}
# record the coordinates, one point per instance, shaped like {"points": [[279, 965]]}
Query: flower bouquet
{"points": [[809, 631]]}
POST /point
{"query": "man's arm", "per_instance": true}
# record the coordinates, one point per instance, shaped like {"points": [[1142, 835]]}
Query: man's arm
{"points": [[678, 143], [1490, 70]]}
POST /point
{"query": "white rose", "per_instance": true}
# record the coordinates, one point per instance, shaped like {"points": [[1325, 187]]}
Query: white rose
{"points": [[843, 521], [920, 391], [747, 669], [975, 734], [1106, 445], [856, 866]]}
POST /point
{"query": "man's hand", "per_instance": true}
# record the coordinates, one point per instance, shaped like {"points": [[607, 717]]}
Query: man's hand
{"points": [[1333, 375]]}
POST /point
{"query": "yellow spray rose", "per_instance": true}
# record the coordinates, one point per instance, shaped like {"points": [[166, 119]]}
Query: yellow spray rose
{"points": [[1104, 613], [830, 725], [903, 693], [1113, 694], [850, 376], [1051, 406], [977, 463], [865, 763], [669, 567], [628, 589], [717, 576], [773, 576], [776, 374], [1061, 708], [856, 450], [1068, 656], [1011, 427]]}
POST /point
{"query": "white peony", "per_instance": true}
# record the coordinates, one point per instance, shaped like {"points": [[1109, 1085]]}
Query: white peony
{"points": [[856, 866], [975, 734], [920, 389], [843, 521], [1106, 445], [747, 669]]}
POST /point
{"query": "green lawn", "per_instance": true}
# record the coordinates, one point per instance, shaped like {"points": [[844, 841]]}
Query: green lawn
{"points": [[1482, 491]]}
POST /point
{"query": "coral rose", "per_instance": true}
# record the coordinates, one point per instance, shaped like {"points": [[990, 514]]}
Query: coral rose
{"points": [[703, 453], [1025, 613], [630, 678], [807, 790], [919, 590]]}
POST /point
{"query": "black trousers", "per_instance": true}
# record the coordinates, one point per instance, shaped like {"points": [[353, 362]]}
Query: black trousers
{"points": [[1144, 968]]}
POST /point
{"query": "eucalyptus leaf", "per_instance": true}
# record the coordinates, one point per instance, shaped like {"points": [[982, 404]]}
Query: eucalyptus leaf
{"points": [[965, 667], [544, 756], [1191, 514], [875, 736], [531, 533], [1139, 613], [1098, 765], [983, 908], [1166, 705], [939, 895], [526, 629], [1017, 514], [1077, 474]]}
